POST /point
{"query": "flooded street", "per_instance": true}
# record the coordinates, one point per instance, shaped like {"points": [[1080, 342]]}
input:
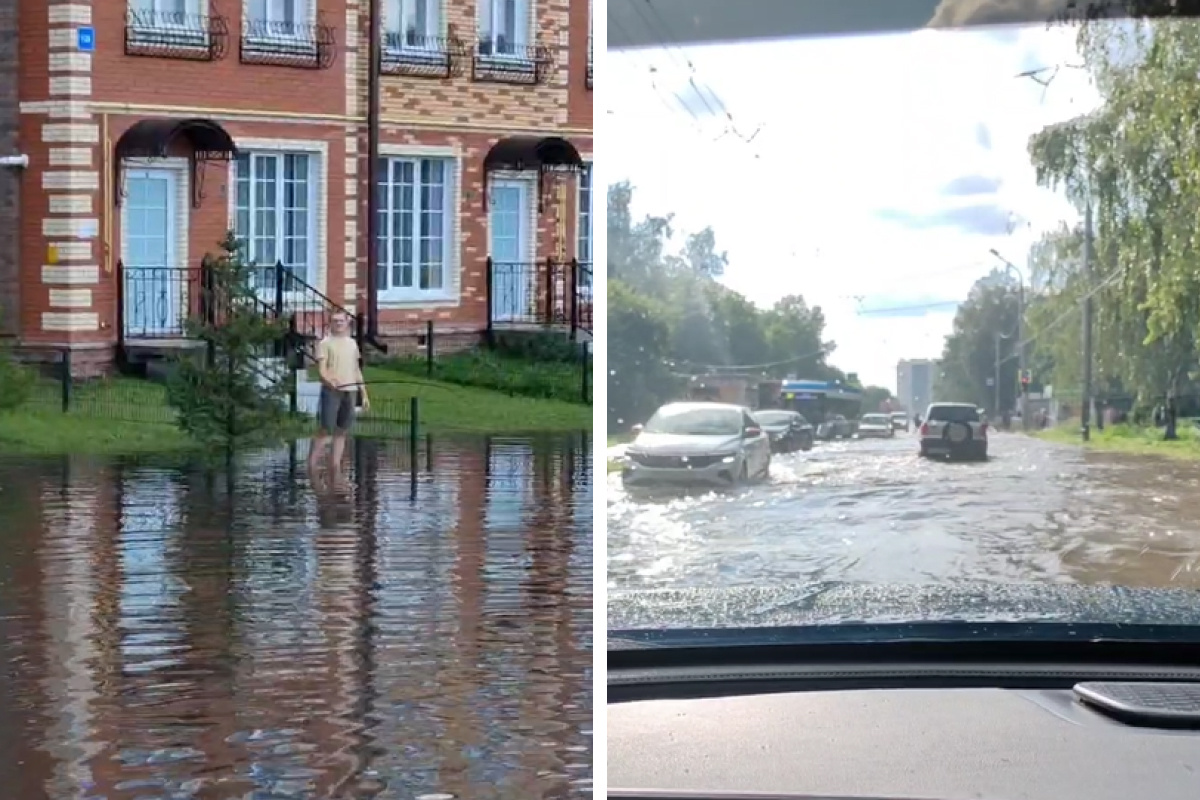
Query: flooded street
{"points": [[872, 511], [168, 631]]}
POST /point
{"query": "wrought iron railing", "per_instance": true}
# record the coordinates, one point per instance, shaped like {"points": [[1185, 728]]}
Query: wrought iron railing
{"points": [[416, 55], [173, 34], [288, 44], [539, 293], [499, 61], [156, 303]]}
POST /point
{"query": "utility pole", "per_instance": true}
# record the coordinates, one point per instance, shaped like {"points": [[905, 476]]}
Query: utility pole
{"points": [[1021, 353], [996, 379], [1086, 411]]}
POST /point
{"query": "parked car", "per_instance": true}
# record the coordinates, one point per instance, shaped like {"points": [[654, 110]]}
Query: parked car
{"points": [[900, 420], [835, 427], [715, 444], [788, 431], [954, 430], [875, 426]]}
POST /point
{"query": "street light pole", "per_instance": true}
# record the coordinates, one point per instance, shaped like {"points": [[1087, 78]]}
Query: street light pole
{"points": [[1020, 333]]}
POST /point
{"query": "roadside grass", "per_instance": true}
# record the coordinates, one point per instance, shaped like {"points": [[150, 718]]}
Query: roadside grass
{"points": [[131, 416], [1132, 439]]}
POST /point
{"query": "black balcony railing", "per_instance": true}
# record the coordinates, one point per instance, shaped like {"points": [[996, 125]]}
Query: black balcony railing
{"points": [[416, 55], [156, 303], [541, 293], [169, 34], [497, 60], [288, 44]]}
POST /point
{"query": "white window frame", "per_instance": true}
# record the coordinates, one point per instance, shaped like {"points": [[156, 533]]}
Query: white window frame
{"points": [[589, 212], [450, 292], [397, 12], [304, 14], [143, 17], [523, 31], [318, 199]]}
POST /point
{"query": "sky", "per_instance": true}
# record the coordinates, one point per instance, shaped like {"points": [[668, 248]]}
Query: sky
{"points": [[865, 174]]}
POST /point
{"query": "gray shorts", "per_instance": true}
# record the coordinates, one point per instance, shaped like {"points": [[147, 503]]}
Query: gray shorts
{"points": [[336, 409]]}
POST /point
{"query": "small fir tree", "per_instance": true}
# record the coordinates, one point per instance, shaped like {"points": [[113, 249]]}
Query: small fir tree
{"points": [[235, 395]]}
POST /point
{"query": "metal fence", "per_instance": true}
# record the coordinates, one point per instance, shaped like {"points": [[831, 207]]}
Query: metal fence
{"points": [[137, 400], [540, 293]]}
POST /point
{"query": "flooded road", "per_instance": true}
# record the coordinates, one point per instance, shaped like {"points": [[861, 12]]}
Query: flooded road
{"points": [[170, 632], [872, 511]]}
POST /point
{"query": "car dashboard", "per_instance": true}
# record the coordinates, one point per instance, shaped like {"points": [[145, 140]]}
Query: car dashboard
{"points": [[899, 744]]}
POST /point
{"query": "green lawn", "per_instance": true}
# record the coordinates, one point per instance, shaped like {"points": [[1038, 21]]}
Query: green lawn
{"points": [[1130, 439], [509, 374], [128, 416]]}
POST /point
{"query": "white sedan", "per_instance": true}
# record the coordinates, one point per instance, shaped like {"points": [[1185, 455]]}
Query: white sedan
{"points": [[714, 444]]}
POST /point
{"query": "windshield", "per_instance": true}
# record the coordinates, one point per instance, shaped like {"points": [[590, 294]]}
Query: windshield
{"points": [[693, 421], [775, 417], [893, 207]]}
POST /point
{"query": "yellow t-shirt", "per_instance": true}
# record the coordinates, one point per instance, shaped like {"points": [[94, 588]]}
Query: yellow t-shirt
{"points": [[339, 354]]}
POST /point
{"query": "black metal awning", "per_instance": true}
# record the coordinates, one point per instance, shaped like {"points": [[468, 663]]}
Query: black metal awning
{"points": [[528, 153], [540, 154], [155, 138]]}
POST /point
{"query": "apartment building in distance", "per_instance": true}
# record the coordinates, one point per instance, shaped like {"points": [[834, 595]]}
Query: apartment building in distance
{"points": [[152, 127], [915, 380]]}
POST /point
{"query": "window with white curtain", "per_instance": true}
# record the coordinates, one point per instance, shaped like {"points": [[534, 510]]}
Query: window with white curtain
{"points": [[412, 24], [275, 215], [183, 17], [504, 27], [278, 17], [416, 226]]}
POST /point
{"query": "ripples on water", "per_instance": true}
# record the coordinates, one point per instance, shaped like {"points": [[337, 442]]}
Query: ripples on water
{"points": [[873, 512], [170, 633]]}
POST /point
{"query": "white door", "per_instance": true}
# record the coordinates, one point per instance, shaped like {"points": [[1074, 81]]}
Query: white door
{"points": [[155, 277], [512, 267]]}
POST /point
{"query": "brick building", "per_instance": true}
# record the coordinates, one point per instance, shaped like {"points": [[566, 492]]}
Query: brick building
{"points": [[153, 126]]}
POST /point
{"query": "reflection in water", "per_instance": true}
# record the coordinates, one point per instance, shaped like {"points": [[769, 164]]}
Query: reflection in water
{"points": [[167, 632]]}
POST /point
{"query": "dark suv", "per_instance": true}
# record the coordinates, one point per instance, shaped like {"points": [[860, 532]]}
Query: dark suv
{"points": [[954, 430]]}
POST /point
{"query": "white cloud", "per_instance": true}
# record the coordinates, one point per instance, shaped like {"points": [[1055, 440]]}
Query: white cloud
{"points": [[843, 131]]}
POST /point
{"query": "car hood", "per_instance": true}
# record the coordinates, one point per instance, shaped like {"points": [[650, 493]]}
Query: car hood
{"points": [[681, 616], [671, 444]]}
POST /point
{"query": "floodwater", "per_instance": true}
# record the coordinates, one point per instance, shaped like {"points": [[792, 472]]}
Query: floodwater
{"points": [[171, 632], [874, 512]]}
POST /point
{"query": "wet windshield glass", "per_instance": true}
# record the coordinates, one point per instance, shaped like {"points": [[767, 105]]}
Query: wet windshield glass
{"points": [[685, 421], [900, 206], [775, 418]]}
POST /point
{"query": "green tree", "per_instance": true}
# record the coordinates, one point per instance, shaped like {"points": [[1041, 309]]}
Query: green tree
{"points": [[234, 397], [874, 398], [988, 316], [1136, 162], [669, 316]]}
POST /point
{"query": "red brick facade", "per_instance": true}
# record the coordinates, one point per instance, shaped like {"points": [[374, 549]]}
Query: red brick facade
{"points": [[76, 104]]}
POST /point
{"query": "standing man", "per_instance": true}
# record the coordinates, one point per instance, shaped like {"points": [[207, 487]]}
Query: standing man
{"points": [[341, 383]]}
